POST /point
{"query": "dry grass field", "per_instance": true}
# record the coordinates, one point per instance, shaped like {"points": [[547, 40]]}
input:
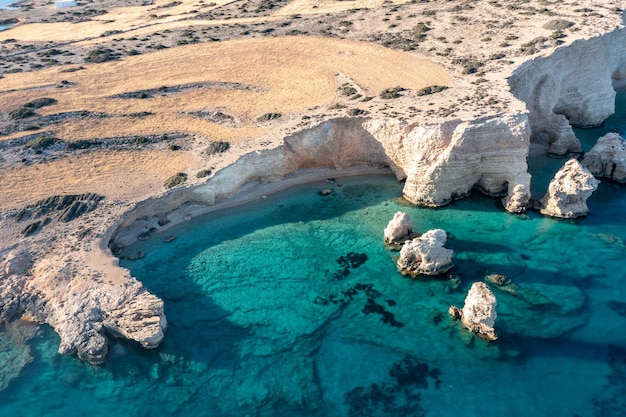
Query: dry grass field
{"points": [[188, 73], [120, 175], [242, 79]]}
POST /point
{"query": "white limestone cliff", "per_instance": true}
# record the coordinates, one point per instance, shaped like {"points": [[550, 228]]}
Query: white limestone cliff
{"points": [[571, 86], [426, 255], [479, 311], [568, 191], [445, 161], [398, 229], [607, 158]]}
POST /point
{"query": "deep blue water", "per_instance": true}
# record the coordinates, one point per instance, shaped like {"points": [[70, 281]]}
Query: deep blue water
{"points": [[269, 317]]}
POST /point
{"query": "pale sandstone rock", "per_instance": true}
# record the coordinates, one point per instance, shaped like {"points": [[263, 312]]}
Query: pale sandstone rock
{"points": [[568, 191], [79, 309], [445, 161], [479, 312], [518, 199], [398, 229], [572, 86], [426, 255], [608, 158], [13, 267]]}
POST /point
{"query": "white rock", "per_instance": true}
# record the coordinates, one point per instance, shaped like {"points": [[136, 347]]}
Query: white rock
{"points": [[445, 161], [608, 158], [568, 191], [425, 255], [572, 86], [398, 229], [479, 312]]}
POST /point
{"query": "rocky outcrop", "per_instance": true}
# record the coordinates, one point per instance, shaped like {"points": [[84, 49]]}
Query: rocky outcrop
{"points": [[445, 161], [568, 192], [399, 229], [80, 309], [608, 158], [559, 94], [13, 266], [479, 312], [426, 255]]}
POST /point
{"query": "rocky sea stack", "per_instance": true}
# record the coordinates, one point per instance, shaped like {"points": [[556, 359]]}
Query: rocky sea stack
{"points": [[479, 312], [426, 255]]}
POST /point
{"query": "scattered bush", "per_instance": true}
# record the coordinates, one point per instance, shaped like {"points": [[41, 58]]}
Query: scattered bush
{"points": [[21, 113], [268, 116], [175, 180], [173, 147], [496, 56], [141, 140], [348, 90], [32, 127], [101, 55], [203, 173], [390, 93], [217, 147], [356, 112], [431, 90], [558, 24], [40, 102], [41, 142]]}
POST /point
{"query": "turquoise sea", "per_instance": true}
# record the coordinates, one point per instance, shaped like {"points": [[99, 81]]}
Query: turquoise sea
{"points": [[292, 306]]}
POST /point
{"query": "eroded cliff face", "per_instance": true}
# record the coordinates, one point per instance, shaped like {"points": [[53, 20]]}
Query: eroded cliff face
{"points": [[572, 86], [444, 161], [439, 161]]}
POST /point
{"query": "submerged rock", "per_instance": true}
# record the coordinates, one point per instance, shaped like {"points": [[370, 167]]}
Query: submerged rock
{"points": [[608, 158], [425, 255], [479, 312], [398, 229], [568, 192]]}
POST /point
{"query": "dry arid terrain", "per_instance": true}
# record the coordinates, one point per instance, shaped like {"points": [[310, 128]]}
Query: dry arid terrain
{"points": [[140, 90], [111, 103]]}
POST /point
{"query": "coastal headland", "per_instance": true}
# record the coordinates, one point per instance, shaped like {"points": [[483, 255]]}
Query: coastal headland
{"points": [[120, 119]]}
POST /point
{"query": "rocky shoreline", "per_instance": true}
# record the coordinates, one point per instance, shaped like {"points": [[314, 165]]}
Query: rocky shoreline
{"points": [[66, 275]]}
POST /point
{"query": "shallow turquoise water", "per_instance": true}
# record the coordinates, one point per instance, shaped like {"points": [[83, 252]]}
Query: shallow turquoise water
{"points": [[292, 306]]}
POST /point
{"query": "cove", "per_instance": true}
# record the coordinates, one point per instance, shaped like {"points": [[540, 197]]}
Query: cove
{"points": [[277, 308], [292, 306]]}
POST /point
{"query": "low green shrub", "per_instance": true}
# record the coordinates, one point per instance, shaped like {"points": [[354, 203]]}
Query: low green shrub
{"points": [[268, 116], [203, 173], [21, 113], [217, 147], [41, 142], [174, 180], [431, 90], [40, 102], [390, 93]]}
